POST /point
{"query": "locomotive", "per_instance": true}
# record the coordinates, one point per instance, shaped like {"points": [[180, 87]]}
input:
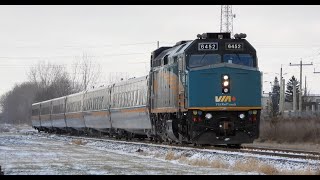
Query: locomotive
{"points": [[202, 91]]}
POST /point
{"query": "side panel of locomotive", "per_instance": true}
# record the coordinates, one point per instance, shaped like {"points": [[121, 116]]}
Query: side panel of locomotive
{"points": [[165, 82]]}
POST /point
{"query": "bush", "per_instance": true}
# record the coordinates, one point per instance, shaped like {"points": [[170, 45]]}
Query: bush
{"points": [[290, 130]]}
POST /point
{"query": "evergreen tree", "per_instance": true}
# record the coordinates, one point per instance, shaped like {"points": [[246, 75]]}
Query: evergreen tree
{"points": [[289, 91]]}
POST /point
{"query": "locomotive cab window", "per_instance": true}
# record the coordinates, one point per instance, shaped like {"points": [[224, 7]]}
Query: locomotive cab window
{"points": [[198, 60], [241, 59]]}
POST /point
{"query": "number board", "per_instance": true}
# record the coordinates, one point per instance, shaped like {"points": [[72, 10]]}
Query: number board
{"points": [[209, 46], [234, 46]]}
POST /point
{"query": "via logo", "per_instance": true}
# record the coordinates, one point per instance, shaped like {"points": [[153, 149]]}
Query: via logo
{"points": [[225, 99]]}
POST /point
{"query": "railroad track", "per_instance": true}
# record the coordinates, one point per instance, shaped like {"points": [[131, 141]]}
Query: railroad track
{"points": [[284, 152], [273, 152]]}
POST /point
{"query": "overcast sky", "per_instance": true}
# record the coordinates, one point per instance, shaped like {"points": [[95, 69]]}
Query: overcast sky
{"points": [[121, 38]]}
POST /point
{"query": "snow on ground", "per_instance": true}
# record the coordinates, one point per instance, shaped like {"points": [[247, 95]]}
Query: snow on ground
{"points": [[23, 152], [231, 159]]}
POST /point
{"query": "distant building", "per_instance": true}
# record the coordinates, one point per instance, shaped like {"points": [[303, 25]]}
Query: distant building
{"points": [[312, 100], [310, 103], [265, 103]]}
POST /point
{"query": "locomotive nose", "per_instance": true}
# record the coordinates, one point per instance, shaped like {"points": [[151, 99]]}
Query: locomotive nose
{"points": [[224, 87]]}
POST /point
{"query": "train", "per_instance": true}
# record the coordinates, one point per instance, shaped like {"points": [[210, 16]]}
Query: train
{"points": [[205, 91]]}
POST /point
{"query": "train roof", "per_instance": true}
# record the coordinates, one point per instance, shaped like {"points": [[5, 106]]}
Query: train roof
{"points": [[132, 80], [174, 50], [42, 102], [99, 88]]}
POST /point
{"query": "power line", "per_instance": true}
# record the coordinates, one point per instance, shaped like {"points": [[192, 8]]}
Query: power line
{"points": [[44, 57], [79, 46]]}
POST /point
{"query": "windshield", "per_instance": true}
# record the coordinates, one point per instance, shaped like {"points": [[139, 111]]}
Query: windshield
{"points": [[198, 60], [241, 59]]}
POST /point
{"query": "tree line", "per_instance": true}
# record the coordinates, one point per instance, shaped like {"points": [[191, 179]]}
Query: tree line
{"points": [[47, 81]]}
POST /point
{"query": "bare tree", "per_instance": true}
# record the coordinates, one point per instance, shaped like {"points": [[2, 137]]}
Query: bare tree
{"points": [[52, 81], [41, 74], [86, 72]]}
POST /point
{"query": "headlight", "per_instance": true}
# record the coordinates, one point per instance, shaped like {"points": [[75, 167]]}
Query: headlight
{"points": [[254, 112], [208, 116], [241, 116], [195, 112], [225, 83]]}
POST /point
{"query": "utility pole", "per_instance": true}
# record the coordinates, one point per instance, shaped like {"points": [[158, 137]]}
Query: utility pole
{"points": [[282, 87], [294, 96], [158, 44], [226, 22], [281, 95], [305, 85], [282, 92], [300, 87]]}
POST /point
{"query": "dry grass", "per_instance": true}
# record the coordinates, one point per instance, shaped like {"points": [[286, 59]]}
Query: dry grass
{"points": [[290, 130], [183, 159], [267, 169], [171, 156], [195, 162], [78, 142], [251, 165], [245, 166], [218, 164], [254, 165], [200, 162]]}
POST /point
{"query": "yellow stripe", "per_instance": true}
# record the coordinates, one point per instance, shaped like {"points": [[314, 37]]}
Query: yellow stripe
{"points": [[45, 117], [99, 113], [164, 110], [224, 108], [74, 116], [57, 116], [134, 110]]}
